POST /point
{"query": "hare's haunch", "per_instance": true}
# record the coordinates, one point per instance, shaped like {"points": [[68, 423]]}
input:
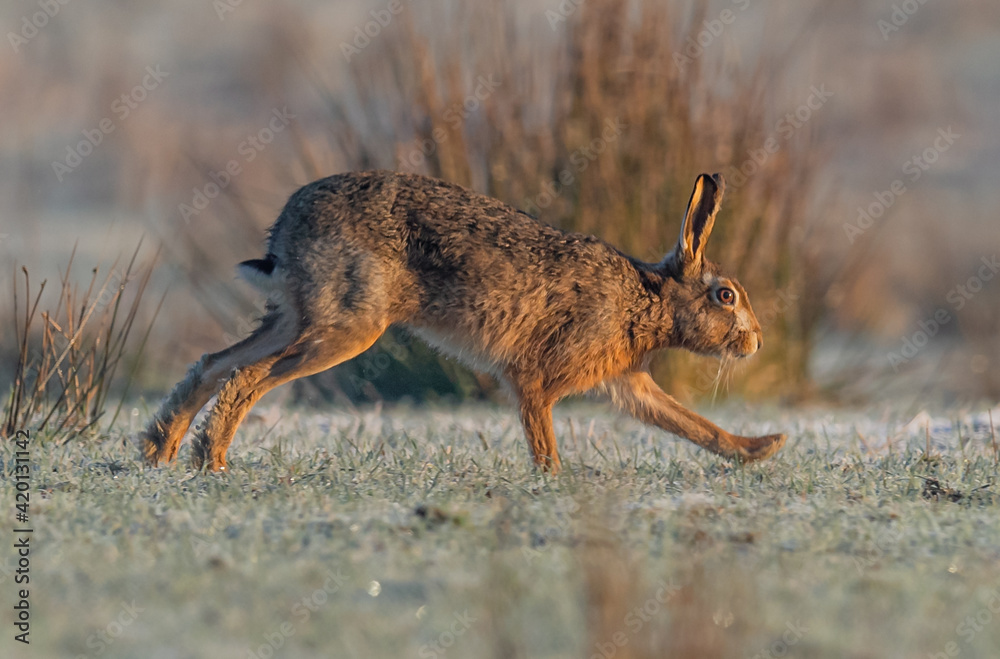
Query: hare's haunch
{"points": [[551, 313]]}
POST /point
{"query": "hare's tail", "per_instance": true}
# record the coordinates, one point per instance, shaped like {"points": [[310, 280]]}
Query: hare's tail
{"points": [[262, 274]]}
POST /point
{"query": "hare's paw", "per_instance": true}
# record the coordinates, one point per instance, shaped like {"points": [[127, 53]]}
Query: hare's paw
{"points": [[760, 448], [151, 443]]}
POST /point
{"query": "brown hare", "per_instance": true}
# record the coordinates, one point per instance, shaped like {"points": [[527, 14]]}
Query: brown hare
{"points": [[551, 313]]}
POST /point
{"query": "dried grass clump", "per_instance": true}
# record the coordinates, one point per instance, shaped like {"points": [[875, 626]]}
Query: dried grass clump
{"points": [[68, 356]]}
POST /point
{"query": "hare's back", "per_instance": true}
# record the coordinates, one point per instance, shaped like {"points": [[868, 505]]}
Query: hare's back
{"points": [[451, 230], [440, 243], [435, 229]]}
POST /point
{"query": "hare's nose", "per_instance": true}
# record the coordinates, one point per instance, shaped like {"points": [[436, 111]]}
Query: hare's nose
{"points": [[760, 339]]}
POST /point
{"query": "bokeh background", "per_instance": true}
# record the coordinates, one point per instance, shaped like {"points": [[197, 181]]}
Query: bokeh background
{"points": [[121, 119]]}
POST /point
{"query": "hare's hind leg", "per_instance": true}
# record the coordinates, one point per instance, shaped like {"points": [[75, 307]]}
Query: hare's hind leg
{"points": [[309, 354], [162, 437]]}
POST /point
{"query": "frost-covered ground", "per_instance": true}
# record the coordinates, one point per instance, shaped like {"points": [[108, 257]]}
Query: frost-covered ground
{"points": [[425, 533]]}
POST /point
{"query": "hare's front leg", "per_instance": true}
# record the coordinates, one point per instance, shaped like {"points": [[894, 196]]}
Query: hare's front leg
{"points": [[637, 394], [536, 417], [537, 420]]}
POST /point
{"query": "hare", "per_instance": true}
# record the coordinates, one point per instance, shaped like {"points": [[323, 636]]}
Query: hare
{"points": [[550, 313]]}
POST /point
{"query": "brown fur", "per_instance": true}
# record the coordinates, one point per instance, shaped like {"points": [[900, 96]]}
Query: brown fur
{"points": [[552, 313]]}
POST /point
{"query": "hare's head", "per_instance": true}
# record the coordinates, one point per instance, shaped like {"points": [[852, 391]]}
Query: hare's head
{"points": [[711, 311]]}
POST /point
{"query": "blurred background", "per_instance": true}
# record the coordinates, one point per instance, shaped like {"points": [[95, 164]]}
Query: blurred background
{"points": [[860, 140]]}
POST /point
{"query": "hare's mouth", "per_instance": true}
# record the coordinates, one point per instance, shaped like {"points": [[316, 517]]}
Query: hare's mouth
{"points": [[746, 344]]}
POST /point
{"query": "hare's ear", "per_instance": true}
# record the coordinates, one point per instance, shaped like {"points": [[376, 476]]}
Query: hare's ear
{"points": [[706, 198]]}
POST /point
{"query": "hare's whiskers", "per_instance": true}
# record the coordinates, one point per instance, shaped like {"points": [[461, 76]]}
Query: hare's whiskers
{"points": [[718, 377]]}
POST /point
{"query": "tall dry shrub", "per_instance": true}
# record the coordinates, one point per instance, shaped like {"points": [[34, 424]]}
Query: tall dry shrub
{"points": [[591, 125], [530, 115]]}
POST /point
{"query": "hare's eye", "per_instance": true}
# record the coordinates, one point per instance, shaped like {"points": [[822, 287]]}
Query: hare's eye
{"points": [[725, 295]]}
